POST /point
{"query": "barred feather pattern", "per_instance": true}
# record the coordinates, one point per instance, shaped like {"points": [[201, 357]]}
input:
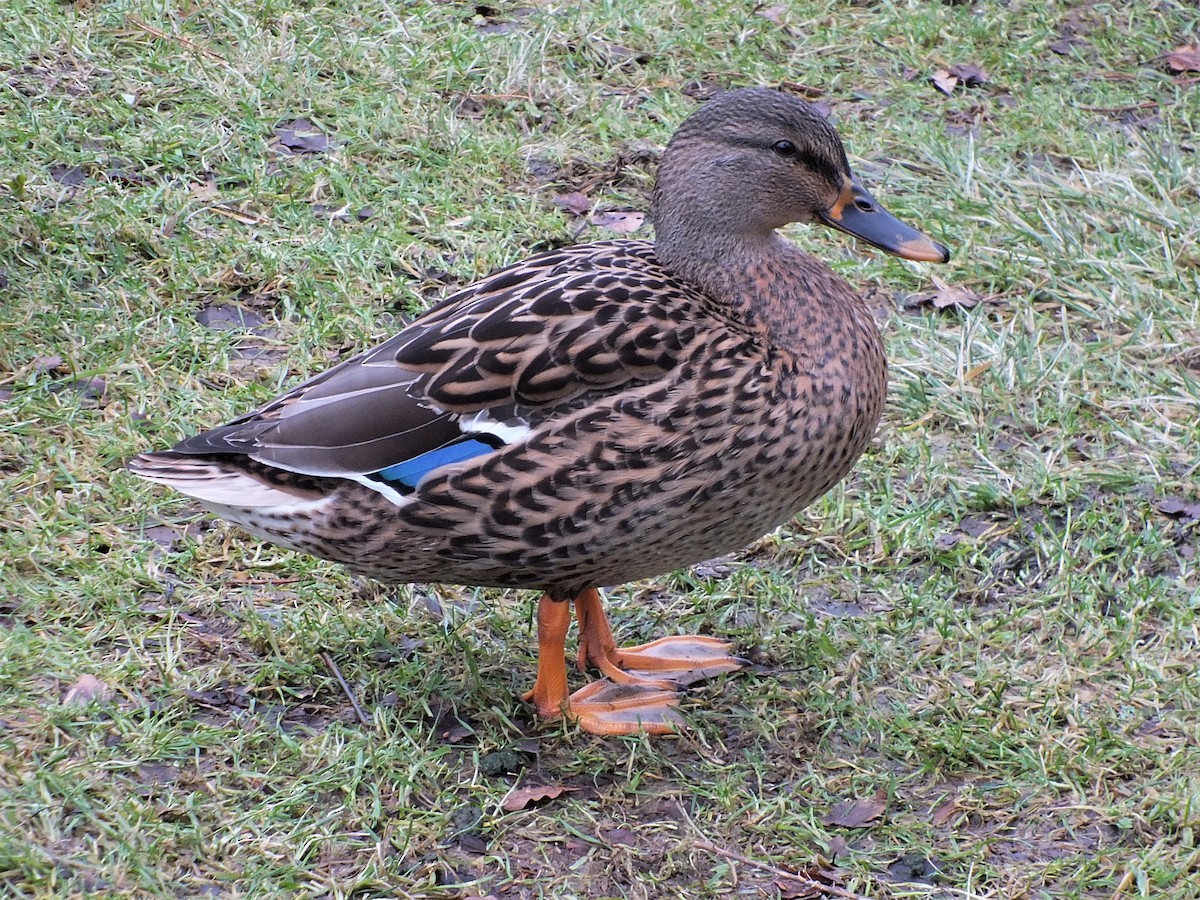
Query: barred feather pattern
{"points": [[664, 428]]}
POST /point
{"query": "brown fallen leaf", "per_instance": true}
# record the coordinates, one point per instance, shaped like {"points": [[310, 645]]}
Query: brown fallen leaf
{"points": [[87, 388], [944, 296], [301, 136], [1064, 46], [969, 74], [122, 171], [576, 203], [230, 317], [948, 541], [944, 811], [622, 221], [1184, 59], [86, 690], [205, 190], [791, 889], [948, 295], [533, 794], [622, 836], [1180, 509], [944, 81], [49, 364], [857, 813], [163, 535], [71, 176], [774, 13]]}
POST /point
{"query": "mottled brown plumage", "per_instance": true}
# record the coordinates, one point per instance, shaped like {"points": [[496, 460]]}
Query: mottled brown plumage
{"points": [[593, 415]]}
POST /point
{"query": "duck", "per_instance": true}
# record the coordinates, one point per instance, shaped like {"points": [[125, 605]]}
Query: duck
{"points": [[596, 414]]}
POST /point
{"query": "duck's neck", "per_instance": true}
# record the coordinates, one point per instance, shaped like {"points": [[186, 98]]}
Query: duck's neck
{"points": [[763, 279]]}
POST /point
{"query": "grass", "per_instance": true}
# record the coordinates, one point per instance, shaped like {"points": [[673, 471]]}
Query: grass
{"points": [[991, 626]]}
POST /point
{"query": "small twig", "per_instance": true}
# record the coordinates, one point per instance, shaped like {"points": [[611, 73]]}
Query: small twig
{"points": [[337, 673], [830, 889], [178, 39]]}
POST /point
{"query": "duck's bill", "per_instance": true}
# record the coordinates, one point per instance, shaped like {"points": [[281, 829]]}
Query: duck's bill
{"points": [[858, 213]]}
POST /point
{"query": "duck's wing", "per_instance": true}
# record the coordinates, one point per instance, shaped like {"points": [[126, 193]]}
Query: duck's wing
{"points": [[481, 370]]}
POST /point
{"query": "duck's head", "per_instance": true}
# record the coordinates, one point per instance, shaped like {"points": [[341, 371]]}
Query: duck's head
{"points": [[749, 161]]}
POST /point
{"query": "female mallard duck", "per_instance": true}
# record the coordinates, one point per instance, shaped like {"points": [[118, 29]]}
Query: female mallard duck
{"points": [[593, 415]]}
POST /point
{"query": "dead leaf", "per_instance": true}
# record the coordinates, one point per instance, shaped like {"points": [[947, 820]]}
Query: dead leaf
{"points": [[576, 203], [944, 812], [205, 190], [945, 297], [774, 13], [944, 81], [163, 535], [969, 74], [123, 171], [92, 388], [301, 136], [469, 107], [838, 846], [622, 836], [857, 813], [532, 795], [86, 690], [230, 317], [1184, 59], [1064, 46], [790, 889], [49, 364], [948, 541], [966, 74], [1180, 509], [71, 176], [622, 221]]}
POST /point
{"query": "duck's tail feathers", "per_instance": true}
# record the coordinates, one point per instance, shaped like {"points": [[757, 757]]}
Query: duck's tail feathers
{"points": [[214, 480]]}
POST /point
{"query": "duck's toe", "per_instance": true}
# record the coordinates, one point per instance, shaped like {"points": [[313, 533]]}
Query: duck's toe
{"points": [[603, 707]]}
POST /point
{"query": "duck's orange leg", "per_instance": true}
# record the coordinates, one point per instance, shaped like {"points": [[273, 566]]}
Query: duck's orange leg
{"points": [[550, 695], [601, 707], [666, 662]]}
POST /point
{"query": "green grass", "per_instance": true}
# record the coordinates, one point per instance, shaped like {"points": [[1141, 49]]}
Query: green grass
{"points": [[992, 622]]}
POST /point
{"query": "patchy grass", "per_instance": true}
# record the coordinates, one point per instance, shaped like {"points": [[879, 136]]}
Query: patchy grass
{"points": [[990, 629]]}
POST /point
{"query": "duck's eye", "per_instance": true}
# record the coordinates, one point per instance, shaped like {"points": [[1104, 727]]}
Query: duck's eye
{"points": [[784, 148], [864, 205]]}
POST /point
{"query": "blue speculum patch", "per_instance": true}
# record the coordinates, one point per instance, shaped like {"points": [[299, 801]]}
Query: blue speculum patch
{"points": [[409, 472]]}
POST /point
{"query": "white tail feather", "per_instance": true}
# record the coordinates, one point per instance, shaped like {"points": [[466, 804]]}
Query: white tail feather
{"points": [[212, 483]]}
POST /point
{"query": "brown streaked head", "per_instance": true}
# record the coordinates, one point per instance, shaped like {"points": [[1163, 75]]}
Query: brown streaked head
{"points": [[750, 161]]}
